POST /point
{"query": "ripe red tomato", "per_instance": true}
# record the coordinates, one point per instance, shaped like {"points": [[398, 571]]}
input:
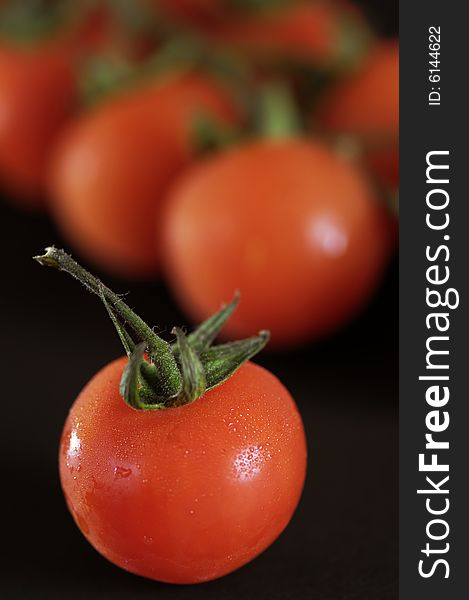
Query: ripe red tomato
{"points": [[112, 167], [321, 34], [366, 105], [37, 97], [186, 494], [296, 228]]}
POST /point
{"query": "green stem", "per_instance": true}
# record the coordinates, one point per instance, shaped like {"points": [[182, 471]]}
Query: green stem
{"points": [[160, 375], [278, 116], [159, 350]]}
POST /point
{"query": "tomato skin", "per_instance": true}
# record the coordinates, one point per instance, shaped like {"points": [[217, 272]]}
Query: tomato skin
{"points": [[366, 105], [187, 494], [291, 225], [37, 97], [112, 167]]}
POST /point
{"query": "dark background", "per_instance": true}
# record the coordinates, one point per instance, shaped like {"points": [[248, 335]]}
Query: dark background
{"points": [[342, 542]]}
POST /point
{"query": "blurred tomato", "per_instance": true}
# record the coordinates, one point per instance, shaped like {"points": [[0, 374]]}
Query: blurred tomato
{"points": [[366, 105], [104, 31], [112, 167], [321, 34], [37, 96], [39, 93], [293, 226], [190, 10]]}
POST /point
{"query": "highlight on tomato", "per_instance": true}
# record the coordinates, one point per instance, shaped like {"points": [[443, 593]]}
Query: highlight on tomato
{"points": [[112, 167], [182, 461], [295, 227], [365, 105]]}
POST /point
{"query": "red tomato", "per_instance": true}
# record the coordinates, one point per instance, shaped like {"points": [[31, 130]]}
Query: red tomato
{"points": [[366, 105], [186, 494], [113, 166], [293, 226], [37, 97], [322, 34]]}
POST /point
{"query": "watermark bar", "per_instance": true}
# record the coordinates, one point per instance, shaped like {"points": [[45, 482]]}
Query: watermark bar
{"points": [[434, 255]]}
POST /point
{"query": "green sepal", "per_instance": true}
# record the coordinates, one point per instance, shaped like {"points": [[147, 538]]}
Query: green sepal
{"points": [[203, 336], [137, 381], [159, 350], [193, 374], [220, 362]]}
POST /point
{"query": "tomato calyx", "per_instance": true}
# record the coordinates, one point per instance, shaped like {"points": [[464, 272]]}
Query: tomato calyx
{"points": [[159, 374]]}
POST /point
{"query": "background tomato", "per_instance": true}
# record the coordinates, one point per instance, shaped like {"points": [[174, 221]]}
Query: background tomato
{"points": [[366, 105], [320, 34], [195, 11], [297, 229], [113, 166], [37, 97], [186, 494]]}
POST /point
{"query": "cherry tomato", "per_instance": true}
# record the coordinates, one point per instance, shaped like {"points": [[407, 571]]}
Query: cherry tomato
{"points": [[104, 32], [296, 228], [186, 494], [112, 167], [37, 97], [320, 34], [366, 105]]}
